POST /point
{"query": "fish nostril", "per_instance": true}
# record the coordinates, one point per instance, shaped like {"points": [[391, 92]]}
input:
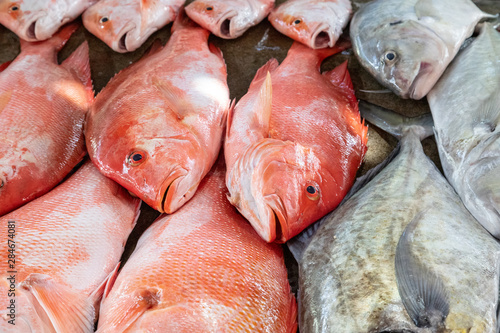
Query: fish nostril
{"points": [[225, 27], [121, 44], [322, 40], [31, 31]]}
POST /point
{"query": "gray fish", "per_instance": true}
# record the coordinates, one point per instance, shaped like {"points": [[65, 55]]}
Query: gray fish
{"points": [[402, 254], [407, 44], [465, 104]]}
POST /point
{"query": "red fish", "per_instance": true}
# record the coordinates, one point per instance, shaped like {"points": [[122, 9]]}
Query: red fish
{"points": [[202, 269], [58, 251], [42, 111], [156, 128], [294, 143]]}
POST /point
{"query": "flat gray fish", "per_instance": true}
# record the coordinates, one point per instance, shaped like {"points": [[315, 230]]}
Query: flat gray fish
{"points": [[402, 254], [465, 105], [406, 45]]}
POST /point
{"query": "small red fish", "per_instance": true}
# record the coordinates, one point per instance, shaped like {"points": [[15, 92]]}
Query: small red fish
{"points": [[60, 250], [201, 269], [294, 143], [156, 128], [42, 110]]}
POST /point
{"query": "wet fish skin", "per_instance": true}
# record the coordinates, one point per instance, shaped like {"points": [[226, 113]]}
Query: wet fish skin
{"points": [[347, 277], [67, 244], [42, 110], [315, 23], [202, 269], [466, 107], [38, 20], [156, 128], [126, 24], [407, 45], [229, 18], [294, 143]]}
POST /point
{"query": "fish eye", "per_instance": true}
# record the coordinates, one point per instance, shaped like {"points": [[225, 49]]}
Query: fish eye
{"points": [[390, 56], [210, 8], [14, 8], [297, 21], [104, 19], [312, 192], [136, 158]]}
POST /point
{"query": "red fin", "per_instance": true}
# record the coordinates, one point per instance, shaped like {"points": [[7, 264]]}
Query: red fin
{"points": [[154, 48], [182, 21], [173, 97], [4, 66], [268, 67], [78, 64], [264, 106], [55, 43], [292, 315], [229, 118], [67, 310], [215, 50], [315, 57], [340, 77], [98, 295]]}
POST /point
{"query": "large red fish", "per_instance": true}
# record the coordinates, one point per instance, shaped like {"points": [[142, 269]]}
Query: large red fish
{"points": [[156, 128], [57, 252], [42, 111], [202, 269], [294, 143]]}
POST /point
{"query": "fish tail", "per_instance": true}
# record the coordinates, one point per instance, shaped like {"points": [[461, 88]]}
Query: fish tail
{"points": [[316, 56], [397, 124], [182, 21], [53, 44]]}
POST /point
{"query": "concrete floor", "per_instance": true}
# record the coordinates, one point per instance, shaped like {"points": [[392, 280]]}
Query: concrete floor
{"points": [[244, 56]]}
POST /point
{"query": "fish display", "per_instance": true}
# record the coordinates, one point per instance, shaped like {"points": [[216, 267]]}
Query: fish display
{"points": [[59, 251], [403, 254], [407, 45], [42, 110], [126, 24], [37, 20], [229, 18], [156, 128], [202, 269], [465, 105], [315, 23], [294, 143]]}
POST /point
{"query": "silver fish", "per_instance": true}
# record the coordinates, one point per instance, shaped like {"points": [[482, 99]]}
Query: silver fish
{"points": [[403, 254], [406, 45], [465, 104]]}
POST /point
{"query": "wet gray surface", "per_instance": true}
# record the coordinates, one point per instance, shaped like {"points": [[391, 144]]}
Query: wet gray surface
{"points": [[244, 56]]}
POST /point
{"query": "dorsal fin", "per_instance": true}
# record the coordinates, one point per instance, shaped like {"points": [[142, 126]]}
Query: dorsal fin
{"points": [[268, 67], [78, 64]]}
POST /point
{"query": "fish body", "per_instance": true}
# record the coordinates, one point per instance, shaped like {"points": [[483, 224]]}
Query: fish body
{"points": [[294, 143], [62, 248], [37, 20], [315, 23], [402, 254], [407, 45], [42, 110], [229, 18], [202, 269], [465, 105], [156, 128], [126, 25]]}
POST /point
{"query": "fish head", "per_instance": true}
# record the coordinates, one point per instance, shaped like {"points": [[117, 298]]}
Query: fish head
{"points": [[402, 55], [32, 20], [222, 18], [280, 188], [304, 23], [120, 27]]}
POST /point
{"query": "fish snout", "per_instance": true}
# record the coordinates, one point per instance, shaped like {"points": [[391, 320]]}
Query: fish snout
{"points": [[169, 198]]}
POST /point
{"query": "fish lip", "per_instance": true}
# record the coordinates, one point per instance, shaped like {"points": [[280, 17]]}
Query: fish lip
{"points": [[424, 69], [121, 45], [167, 189], [31, 31], [221, 23], [278, 213], [320, 33]]}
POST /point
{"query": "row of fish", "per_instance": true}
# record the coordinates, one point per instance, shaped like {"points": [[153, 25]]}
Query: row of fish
{"points": [[126, 25]]}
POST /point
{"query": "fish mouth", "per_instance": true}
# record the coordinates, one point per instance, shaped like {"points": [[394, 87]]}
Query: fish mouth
{"points": [[277, 218], [321, 38], [168, 189], [418, 90], [225, 24], [31, 31], [122, 42]]}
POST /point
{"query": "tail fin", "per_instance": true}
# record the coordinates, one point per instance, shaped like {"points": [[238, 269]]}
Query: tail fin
{"points": [[53, 44], [316, 56], [395, 123], [182, 21]]}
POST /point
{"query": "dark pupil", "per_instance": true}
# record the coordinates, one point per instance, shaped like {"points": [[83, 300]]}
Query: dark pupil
{"points": [[15, 8], [104, 19], [137, 157], [311, 190], [210, 8], [297, 21], [390, 56]]}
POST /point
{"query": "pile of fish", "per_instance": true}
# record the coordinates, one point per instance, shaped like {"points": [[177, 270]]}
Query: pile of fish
{"points": [[402, 248]]}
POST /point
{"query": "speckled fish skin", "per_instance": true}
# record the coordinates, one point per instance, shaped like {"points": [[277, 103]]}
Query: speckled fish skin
{"points": [[229, 18], [126, 24], [67, 244], [38, 20], [407, 45], [156, 128], [42, 111], [202, 269], [347, 279], [311, 140], [466, 108], [315, 23]]}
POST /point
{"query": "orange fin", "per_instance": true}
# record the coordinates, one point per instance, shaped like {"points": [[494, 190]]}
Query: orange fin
{"points": [[53, 44], [268, 67], [67, 310], [229, 118], [121, 318], [215, 50], [299, 53], [5, 65], [172, 97], [262, 109], [78, 64], [155, 47], [98, 295], [182, 21]]}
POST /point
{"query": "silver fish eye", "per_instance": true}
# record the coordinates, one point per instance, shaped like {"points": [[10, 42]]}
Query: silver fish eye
{"points": [[390, 56]]}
